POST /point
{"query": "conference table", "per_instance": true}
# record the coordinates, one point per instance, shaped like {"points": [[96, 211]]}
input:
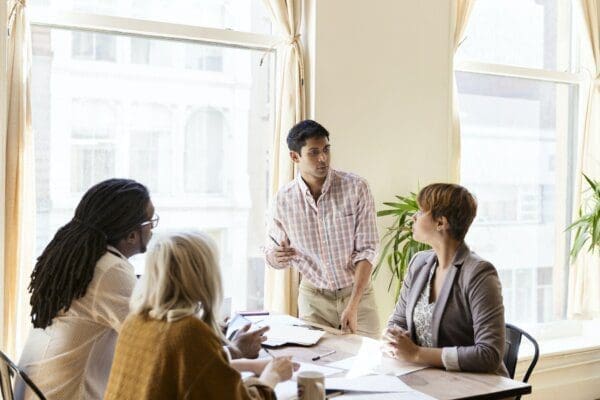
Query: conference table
{"points": [[434, 382]]}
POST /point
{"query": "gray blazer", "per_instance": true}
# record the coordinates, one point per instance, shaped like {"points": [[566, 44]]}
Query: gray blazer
{"points": [[468, 313]]}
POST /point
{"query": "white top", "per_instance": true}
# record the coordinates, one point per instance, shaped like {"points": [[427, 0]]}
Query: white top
{"points": [[71, 358]]}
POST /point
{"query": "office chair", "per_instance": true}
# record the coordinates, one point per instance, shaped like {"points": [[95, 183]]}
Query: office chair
{"points": [[511, 353], [8, 370]]}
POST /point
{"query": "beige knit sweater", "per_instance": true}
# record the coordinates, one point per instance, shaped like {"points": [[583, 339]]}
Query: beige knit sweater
{"points": [[175, 360]]}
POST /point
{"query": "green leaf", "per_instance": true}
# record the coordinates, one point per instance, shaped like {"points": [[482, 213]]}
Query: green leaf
{"points": [[398, 243]]}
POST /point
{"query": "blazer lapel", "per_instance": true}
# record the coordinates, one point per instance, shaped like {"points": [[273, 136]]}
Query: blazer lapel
{"points": [[416, 289], [442, 300]]}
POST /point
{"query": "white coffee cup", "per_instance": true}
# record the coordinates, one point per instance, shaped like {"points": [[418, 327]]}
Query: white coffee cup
{"points": [[311, 385]]}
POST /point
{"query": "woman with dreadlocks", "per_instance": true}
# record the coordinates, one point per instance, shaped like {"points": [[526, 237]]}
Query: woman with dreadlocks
{"points": [[80, 289]]}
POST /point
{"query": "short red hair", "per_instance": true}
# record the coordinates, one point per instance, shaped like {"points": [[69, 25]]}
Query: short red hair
{"points": [[452, 201]]}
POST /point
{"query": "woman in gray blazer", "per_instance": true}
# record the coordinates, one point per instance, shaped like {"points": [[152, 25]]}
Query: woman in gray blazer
{"points": [[450, 313]]}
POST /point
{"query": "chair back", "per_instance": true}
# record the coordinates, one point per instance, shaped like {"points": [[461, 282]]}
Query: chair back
{"points": [[8, 370], [511, 352]]}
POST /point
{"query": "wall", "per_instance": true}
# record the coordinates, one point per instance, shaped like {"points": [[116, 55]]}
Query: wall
{"points": [[380, 82]]}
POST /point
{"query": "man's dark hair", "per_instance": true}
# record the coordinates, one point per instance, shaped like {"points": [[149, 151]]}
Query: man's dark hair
{"points": [[303, 131], [108, 212]]}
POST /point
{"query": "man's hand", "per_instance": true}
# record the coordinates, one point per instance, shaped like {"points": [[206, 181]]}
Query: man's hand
{"points": [[248, 343], [284, 254], [349, 319]]}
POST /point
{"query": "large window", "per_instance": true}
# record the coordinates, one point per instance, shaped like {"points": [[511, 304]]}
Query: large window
{"points": [[518, 99], [190, 117]]}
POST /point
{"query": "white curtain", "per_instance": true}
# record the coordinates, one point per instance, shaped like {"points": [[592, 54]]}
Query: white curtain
{"points": [[18, 231], [281, 286], [584, 273], [462, 10]]}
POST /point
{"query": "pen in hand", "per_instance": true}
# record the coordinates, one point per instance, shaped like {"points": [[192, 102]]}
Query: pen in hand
{"points": [[323, 355], [274, 241], [268, 352]]}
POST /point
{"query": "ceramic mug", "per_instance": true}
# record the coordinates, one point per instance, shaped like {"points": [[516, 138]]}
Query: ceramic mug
{"points": [[311, 385]]}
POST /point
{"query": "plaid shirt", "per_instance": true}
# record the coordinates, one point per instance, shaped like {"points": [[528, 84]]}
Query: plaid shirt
{"points": [[331, 235]]}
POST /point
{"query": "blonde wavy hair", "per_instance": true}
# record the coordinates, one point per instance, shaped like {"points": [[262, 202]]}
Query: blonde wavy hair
{"points": [[182, 278]]}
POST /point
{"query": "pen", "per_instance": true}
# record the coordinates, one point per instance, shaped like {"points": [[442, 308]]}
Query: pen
{"points": [[268, 352], [274, 241], [323, 355]]}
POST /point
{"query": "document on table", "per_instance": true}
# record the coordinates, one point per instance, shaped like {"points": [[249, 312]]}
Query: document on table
{"points": [[326, 371], [370, 360], [368, 383], [413, 395], [279, 335]]}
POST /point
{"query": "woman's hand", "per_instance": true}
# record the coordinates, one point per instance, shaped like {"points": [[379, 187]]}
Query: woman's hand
{"points": [[398, 344], [278, 370]]}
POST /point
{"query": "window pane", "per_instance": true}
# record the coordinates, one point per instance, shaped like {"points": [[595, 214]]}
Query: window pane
{"points": [[526, 33], [513, 131], [198, 139], [240, 15]]}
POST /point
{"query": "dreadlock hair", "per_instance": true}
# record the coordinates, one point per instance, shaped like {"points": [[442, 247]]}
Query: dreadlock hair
{"points": [[107, 213]]}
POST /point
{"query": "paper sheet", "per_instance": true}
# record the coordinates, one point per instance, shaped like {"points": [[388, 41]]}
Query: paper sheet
{"points": [[369, 383], [327, 371], [414, 395], [370, 360]]}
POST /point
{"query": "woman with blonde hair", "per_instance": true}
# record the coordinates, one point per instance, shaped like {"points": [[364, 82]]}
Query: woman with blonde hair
{"points": [[170, 346], [450, 313]]}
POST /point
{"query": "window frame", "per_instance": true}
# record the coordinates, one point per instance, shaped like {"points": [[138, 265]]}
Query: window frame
{"points": [[180, 33], [579, 78]]}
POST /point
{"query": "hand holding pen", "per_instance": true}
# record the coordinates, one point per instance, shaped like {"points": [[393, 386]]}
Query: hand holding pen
{"points": [[283, 253]]}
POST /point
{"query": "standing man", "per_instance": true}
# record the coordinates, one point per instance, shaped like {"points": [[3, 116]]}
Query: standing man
{"points": [[323, 224]]}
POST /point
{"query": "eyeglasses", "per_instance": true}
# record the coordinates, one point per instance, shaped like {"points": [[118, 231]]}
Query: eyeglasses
{"points": [[153, 222]]}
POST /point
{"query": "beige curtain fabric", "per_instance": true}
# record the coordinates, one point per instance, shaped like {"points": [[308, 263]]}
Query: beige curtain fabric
{"points": [[18, 229], [461, 14], [584, 273], [281, 286]]}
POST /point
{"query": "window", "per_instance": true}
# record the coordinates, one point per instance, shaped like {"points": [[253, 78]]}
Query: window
{"points": [[195, 131], [518, 99], [238, 15]]}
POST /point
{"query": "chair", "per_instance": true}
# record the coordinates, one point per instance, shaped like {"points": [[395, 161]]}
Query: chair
{"points": [[511, 353], [8, 370]]}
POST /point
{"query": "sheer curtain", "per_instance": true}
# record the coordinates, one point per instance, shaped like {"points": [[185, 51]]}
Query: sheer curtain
{"points": [[281, 286], [584, 273], [462, 10], [18, 228]]}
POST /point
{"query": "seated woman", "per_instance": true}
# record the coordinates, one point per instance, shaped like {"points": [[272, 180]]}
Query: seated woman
{"points": [[449, 313], [170, 345]]}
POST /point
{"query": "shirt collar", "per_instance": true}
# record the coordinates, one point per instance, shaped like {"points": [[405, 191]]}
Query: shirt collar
{"points": [[326, 185], [115, 251]]}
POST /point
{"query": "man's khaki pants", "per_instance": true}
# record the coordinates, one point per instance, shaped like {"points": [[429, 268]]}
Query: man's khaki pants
{"points": [[325, 307]]}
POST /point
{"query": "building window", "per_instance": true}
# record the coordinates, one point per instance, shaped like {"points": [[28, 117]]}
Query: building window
{"points": [[205, 58], [204, 148], [518, 97], [150, 144], [93, 46]]}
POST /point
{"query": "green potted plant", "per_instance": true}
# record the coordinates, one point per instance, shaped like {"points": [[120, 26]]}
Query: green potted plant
{"points": [[398, 244], [587, 226]]}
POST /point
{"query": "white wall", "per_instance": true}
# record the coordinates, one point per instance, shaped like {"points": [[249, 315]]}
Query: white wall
{"points": [[380, 82]]}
